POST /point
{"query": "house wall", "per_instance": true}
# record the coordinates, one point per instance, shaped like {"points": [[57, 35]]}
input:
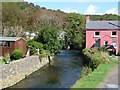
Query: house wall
{"points": [[21, 44], [7, 50], [118, 40], [105, 35]]}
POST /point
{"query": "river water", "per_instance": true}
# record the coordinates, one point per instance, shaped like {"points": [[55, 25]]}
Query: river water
{"points": [[63, 72]]}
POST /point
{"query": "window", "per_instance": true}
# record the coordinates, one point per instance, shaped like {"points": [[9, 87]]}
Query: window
{"points": [[96, 34], [114, 34], [106, 43], [97, 43], [4, 44], [8, 43]]}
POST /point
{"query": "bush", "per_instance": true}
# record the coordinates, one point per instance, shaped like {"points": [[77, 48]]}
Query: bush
{"points": [[44, 53], [103, 48], [119, 53], [94, 57], [85, 71], [17, 54], [7, 57], [33, 46]]}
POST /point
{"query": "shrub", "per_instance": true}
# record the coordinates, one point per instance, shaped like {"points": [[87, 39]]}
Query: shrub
{"points": [[85, 71], [103, 48], [44, 53], [33, 46], [119, 53], [94, 57], [17, 54], [7, 57]]}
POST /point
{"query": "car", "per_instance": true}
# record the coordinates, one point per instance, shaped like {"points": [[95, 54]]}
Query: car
{"points": [[111, 49]]}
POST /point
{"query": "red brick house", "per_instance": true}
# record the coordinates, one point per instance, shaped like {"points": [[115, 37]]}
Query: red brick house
{"points": [[9, 44], [100, 33]]}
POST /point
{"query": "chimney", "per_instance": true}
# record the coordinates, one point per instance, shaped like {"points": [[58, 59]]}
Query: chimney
{"points": [[87, 18]]}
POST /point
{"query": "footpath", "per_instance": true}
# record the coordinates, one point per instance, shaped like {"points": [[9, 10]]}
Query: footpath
{"points": [[112, 80]]}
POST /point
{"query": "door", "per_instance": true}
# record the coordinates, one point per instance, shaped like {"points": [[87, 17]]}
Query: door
{"points": [[97, 43]]}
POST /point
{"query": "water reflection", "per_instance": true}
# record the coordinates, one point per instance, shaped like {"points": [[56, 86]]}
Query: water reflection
{"points": [[62, 73]]}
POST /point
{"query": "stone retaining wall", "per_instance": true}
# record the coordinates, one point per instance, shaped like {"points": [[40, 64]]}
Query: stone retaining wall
{"points": [[12, 73]]}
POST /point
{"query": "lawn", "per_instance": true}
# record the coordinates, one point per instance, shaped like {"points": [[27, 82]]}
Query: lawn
{"points": [[96, 77], [2, 62]]}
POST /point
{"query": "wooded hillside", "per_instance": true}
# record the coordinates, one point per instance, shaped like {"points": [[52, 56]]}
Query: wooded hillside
{"points": [[19, 17]]}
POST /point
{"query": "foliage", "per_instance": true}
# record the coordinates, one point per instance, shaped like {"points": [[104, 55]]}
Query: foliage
{"points": [[17, 54], [1, 62], [78, 40], [85, 71], [103, 48], [7, 57], [94, 57], [75, 34], [105, 17], [30, 17], [119, 53], [33, 46], [77, 21], [48, 36], [44, 53]]}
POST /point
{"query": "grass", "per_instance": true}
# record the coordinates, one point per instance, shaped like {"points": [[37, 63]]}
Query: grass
{"points": [[1, 62], [96, 77]]}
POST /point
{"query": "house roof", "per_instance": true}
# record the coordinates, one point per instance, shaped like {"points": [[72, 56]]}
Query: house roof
{"points": [[103, 25], [9, 38]]}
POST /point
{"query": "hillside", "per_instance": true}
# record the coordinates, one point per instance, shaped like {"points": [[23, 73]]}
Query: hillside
{"points": [[19, 17]]}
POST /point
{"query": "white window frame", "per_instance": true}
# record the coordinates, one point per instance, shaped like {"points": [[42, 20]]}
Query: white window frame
{"points": [[114, 35], [96, 35]]}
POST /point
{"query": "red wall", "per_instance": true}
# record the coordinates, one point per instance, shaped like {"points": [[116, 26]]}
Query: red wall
{"points": [[118, 40], [105, 35], [19, 44]]}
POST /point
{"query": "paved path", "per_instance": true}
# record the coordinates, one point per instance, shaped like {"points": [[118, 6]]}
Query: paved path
{"points": [[112, 79]]}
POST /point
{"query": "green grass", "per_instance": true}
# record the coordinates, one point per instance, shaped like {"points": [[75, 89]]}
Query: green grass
{"points": [[2, 62], [96, 77]]}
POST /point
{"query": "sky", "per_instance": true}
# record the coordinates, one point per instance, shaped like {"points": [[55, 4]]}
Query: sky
{"points": [[92, 7]]}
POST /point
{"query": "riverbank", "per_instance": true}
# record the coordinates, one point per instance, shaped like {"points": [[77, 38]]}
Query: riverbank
{"points": [[96, 77], [16, 71]]}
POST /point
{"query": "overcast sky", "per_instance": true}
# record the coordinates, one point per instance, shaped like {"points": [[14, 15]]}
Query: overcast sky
{"points": [[80, 6]]}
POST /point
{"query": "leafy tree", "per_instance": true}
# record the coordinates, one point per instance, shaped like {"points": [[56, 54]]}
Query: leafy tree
{"points": [[49, 38], [75, 35], [33, 46], [78, 40]]}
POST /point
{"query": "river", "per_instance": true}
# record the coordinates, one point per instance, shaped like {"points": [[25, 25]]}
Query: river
{"points": [[63, 72]]}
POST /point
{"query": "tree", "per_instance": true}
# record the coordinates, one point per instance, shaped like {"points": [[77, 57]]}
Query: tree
{"points": [[78, 41], [48, 36], [75, 35], [33, 46]]}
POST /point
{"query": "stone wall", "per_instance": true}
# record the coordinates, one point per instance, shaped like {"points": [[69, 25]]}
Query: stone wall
{"points": [[12, 73]]}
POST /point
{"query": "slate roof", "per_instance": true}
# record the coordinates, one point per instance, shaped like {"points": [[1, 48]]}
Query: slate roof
{"points": [[9, 38], [103, 25]]}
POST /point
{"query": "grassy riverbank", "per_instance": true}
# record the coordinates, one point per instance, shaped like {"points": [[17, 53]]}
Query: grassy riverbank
{"points": [[96, 77]]}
